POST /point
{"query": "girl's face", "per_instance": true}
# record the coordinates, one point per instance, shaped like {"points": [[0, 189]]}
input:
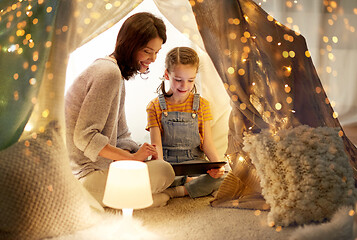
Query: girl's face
{"points": [[148, 54], [182, 80]]}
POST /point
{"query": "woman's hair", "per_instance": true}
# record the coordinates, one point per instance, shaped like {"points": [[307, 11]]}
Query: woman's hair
{"points": [[179, 55], [133, 36]]}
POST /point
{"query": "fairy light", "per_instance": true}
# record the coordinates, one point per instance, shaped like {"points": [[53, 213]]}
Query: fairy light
{"points": [[257, 212], [278, 106], [45, 113], [287, 88], [331, 56], [285, 54], [12, 48], [16, 95], [270, 18], [32, 81], [243, 106], [271, 224], [230, 70], [335, 39], [307, 54], [351, 213], [28, 127], [233, 36], [108, 6], [288, 68]]}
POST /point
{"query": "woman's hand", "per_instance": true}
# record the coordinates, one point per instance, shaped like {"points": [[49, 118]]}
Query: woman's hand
{"points": [[145, 151], [216, 172]]}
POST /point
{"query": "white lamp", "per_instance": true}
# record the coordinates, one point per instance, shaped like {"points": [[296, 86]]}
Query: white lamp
{"points": [[128, 186]]}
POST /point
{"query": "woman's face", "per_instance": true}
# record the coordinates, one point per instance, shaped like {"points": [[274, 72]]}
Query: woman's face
{"points": [[148, 54]]}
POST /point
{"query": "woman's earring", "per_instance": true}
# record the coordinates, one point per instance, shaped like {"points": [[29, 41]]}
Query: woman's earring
{"points": [[145, 73], [144, 76]]}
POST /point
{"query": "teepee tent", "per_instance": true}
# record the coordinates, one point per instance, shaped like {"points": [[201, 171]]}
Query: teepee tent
{"points": [[265, 67]]}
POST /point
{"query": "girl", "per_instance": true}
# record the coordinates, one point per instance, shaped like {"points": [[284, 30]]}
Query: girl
{"points": [[96, 129], [179, 125]]}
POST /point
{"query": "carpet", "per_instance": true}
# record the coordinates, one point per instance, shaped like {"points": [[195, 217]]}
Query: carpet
{"points": [[193, 219]]}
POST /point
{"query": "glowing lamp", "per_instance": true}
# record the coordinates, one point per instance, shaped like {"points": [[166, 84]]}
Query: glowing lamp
{"points": [[128, 186]]}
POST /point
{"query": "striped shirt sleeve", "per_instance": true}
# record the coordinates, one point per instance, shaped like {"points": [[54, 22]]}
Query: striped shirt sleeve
{"points": [[153, 114]]}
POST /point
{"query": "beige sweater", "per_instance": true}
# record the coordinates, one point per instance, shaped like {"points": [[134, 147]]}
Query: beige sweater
{"points": [[95, 116]]}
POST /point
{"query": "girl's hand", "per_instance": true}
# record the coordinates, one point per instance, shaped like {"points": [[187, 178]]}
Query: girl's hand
{"points": [[145, 151], [155, 157], [216, 172]]}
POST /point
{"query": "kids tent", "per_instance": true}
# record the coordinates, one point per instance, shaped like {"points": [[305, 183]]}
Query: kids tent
{"points": [[265, 68]]}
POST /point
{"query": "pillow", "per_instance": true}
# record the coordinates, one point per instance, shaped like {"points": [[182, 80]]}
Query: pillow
{"points": [[39, 196], [304, 173]]}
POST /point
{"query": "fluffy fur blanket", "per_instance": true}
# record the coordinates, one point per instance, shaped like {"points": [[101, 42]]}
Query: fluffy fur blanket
{"points": [[304, 172]]}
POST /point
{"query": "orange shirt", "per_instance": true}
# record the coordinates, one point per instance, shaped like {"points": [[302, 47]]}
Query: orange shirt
{"points": [[154, 112]]}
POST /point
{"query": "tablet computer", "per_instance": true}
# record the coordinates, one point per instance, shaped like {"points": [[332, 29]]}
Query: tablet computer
{"points": [[195, 168]]}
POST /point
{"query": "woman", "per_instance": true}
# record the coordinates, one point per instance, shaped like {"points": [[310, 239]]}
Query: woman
{"points": [[97, 132]]}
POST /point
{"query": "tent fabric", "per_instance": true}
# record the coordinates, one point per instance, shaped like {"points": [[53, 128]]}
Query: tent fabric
{"points": [[268, 73], [330, 30], [20, 82], [38, 37]]}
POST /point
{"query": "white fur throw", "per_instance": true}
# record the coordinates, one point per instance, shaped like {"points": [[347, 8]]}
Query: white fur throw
{"points": [[340, 227], [304, 173], [39, 196]]}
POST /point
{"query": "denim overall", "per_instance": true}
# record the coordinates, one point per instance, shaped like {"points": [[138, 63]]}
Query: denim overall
{"points": [[181, 143]]}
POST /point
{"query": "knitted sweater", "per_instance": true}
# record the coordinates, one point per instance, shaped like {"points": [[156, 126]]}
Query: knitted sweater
{"points": [[95, 116]]}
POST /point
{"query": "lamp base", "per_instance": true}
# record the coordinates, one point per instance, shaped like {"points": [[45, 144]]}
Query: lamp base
{"points": [[127, 212]]}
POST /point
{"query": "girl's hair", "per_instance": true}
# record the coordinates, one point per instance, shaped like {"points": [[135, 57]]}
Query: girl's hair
{"points": [[179, 55], [133, 36]]}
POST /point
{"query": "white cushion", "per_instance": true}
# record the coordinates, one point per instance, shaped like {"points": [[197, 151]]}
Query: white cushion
{"points": [[304, 172]]}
